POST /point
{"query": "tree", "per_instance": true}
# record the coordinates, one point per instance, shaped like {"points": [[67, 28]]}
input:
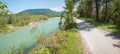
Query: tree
{"points": [[116, 13], [97, 4], [3, 9], [68, 13], [90, 8], [85, 8], [80, 9], [105, 18], [106, 7]]}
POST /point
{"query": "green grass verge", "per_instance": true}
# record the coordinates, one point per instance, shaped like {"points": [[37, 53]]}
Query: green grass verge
{"points": [[73, 44], [106, 26]]}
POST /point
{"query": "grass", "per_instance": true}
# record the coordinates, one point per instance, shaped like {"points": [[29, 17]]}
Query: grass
{"points": [[73, 45], [106, 26], [60, 42]]}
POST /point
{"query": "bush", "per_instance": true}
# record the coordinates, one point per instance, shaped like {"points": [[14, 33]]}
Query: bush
{"points": [[42, 51], [60, 42]]}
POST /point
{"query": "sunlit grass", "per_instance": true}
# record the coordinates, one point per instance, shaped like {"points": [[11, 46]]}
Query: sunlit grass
{"points": [[73, 45], [60, 42]]}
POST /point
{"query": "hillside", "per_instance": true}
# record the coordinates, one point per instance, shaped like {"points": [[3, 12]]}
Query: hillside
{"points": [[40, 11]]}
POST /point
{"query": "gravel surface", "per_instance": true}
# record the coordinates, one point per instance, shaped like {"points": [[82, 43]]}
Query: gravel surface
{"points": [[98, 41]]}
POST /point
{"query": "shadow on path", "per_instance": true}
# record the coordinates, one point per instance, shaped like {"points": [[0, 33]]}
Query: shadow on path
{"points": [[114, 36], [117, 45], [85, 26]]}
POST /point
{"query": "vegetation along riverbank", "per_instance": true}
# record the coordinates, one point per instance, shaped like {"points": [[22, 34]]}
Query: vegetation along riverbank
{"points": [[17, 20], [59, 42]]}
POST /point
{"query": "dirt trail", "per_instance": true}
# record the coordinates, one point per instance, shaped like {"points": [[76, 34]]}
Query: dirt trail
{"points": [[98, 41]]}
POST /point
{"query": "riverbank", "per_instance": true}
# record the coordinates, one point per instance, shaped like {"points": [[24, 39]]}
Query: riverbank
{"points": [[11, 28], [18, 20], [59, 42], [35, 23], [27, 35]]}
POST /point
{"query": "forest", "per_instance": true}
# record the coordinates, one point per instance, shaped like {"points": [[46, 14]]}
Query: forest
{"points": [[103, 13]]}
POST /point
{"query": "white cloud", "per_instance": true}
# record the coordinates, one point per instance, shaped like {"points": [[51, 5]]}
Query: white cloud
{"points": [[57, 9]]}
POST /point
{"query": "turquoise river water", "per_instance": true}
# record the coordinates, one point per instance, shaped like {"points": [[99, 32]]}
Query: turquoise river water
{"points": [[27, 35]]}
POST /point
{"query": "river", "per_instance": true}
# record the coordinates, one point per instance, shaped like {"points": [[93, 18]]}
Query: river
{"points": [[27, 35]]}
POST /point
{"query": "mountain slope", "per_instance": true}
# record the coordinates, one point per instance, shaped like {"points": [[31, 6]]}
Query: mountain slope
{"points": [[40, 11]]}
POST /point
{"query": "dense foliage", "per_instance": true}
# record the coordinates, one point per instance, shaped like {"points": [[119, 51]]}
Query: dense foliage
{"points": [[103, 11], [17, 20], [60, 42], [20, 50], [3, 8], [68, 14]]}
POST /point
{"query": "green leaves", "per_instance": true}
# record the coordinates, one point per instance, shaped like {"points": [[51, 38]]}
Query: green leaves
{"points": [[3, 5], [42, 51], [68, 12], [3, 9]]}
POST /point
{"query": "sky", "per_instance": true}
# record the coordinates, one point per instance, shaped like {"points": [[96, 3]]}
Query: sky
{"points": [[16, 6]]}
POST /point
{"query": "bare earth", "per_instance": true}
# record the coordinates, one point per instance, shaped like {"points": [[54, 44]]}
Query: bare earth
{"points": [[98, 41]]}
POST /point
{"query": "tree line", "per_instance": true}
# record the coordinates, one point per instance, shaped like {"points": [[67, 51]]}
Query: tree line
{"points": [[18, 20], [105, 11]]}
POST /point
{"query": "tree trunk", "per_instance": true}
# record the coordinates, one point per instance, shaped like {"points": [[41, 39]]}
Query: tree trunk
{"points": [[97, 9], [105, 18]]}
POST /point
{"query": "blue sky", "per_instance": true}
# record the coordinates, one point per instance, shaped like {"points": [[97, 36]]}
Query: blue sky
{"points": [[20, 5]]}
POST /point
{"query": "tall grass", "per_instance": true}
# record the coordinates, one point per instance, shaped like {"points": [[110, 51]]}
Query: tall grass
{"points": [[60, 42]]}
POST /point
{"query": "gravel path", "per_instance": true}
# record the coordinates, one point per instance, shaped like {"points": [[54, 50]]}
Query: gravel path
{"points": [[98, 41]]}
